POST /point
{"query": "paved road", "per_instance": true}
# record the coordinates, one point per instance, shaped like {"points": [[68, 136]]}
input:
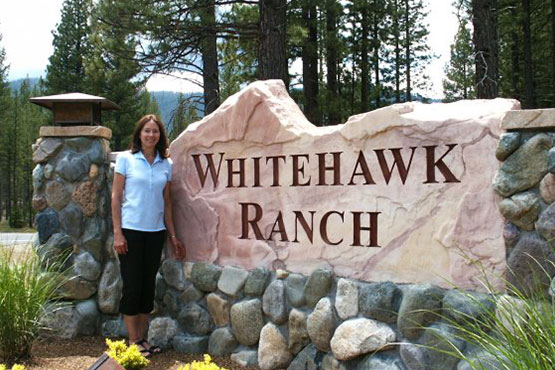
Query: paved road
{"points": [[8, 239]]}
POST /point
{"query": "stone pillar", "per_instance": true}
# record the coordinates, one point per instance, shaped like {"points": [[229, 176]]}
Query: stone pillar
{"points": [[526, 183], [72, 195]]}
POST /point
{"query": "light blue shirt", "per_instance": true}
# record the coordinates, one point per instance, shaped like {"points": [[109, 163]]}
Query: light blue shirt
{"points": [[143, 193]]}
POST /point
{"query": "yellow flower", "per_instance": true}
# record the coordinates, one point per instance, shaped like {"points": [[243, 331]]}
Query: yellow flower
{"points": [[18, 367], [2, 367]]}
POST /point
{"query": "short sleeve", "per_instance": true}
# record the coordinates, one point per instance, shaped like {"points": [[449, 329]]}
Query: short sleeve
{"points": [[170, 167], [121, 164]]}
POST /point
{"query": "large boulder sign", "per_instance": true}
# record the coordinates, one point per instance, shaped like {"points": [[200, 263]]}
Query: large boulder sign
{"points": [[402, 193]]}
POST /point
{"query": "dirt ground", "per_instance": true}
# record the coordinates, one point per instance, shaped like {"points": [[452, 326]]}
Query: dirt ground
{"points": [[82, 352]]}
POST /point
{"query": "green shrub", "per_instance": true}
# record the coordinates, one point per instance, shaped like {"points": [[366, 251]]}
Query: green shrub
{"points": [[207, 364], [24, 293], [128, 357]]}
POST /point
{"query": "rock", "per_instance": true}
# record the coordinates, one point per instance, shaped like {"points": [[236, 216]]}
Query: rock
{"points": [[71, 221], [73, 167], [205, 276], [547, 188], [85, 195], [464, 307], [281, 274], [546, 224], [257, 281], [190, 293], [96, 153], [483, 360], [377, 362], [247, 321], [380, 301], [321, 324], [109, 289], [85, 265], [359, 336], [57, 196], [413, 356], [273, 352], [439, 341], [511, 235], [298, 333], [273, 302], [57, 249], [48, 171], [77, 288], [530, 265], [188, 269], [294, 289], [171, 300], [161, 287], [317, 286], [524, 168], [421, 304], [113, 329], [551, 160], [78, 144], [173, 273], [331, 363], [46, 149], [195, 319], [190, 345], [38, 202], [521, 209], [232, 280], [161, 331], [308, 359], [93, 235], [47, 224], [222, 342], [508, 143], [218, 308], [245, 358], [552, 289], [93, 171], [38, 178], [89, 317], [510, 314], [61, 322], [346, 299]]}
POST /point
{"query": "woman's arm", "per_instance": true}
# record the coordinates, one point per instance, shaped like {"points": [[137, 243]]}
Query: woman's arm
{"points": [[178, 247], [120, 244]]}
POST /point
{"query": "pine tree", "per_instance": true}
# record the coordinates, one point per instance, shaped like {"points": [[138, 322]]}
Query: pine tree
{"points": [[4, 140], [459, 73], [66, 72]]}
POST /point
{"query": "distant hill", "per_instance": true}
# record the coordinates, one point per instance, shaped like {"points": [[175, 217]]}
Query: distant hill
{"points": [[167, 101], [16, 84]]}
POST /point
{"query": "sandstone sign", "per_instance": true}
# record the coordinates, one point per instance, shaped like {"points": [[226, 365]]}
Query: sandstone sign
{"points": [[402, 193]]}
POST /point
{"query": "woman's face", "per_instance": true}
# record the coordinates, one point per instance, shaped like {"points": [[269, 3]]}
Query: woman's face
{"points": [[150, 135]]}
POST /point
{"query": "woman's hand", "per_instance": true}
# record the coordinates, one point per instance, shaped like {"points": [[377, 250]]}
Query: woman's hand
{"points": [[120, 244], [178, 248]]}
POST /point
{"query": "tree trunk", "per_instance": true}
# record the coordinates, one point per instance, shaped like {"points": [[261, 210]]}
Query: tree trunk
{"points": [[376, 42], [407, 51], [310, 63], [486, 47], [331, 61], [396, 35], [529, 85], [210, 58], [272, 56], [515, 56], [364, 67]]}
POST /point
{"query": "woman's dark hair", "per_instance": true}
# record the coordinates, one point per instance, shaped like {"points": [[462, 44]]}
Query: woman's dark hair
{"points": [[161, 146]]}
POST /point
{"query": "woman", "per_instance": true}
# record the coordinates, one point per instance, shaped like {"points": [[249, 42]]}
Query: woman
{"points": [[141, 213]]}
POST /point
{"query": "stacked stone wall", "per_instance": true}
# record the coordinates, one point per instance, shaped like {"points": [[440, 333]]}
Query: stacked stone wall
{"points": [[72, 182], [526, 184]]}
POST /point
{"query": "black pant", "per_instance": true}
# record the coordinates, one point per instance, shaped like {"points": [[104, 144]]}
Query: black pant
{"points": [[138, 270]]}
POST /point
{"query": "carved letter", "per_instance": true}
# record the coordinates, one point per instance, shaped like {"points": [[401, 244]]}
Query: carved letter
{"points": [[324, 227], [256, 175], [280, 229], [245, 221], [240, 172], [309, 230], [431, 165], [365, 170], [275, 164], [373, 229], [335, 167], [299, 168], [203, 173], [397, 161]]}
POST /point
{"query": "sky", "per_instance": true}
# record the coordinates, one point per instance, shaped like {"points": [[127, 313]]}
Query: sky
{"points": [[26, 28]]}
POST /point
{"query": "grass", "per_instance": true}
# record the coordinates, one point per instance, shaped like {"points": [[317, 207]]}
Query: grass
{"points": [[26, 289], [5, 228]]}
